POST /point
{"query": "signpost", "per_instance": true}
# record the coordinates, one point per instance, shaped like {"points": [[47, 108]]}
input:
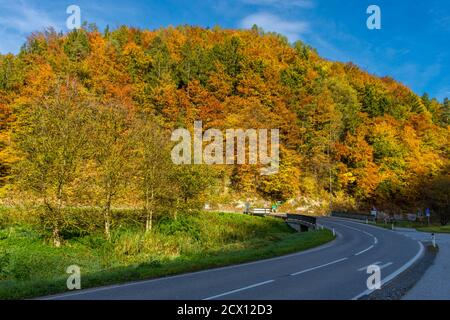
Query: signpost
{"points": [[374, 213], [427, 213]]}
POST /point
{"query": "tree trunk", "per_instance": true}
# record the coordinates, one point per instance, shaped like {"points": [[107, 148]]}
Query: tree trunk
{"points": [[55, 214], [56, 238], [149, 221], [149, 198], [108, 217], [108, 224], [224, 184]]}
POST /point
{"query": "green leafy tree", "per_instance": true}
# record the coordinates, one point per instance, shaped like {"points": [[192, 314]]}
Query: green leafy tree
{"points": [[445, 114], [51, 139], [76, 46], [111, 150], [154, 168], [438, 197]]}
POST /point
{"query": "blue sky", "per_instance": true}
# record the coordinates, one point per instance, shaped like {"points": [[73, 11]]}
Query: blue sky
{"points": [[413, 45]]}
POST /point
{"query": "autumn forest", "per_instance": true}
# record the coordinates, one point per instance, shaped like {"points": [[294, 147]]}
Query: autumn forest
{"points": [[86, 119]]}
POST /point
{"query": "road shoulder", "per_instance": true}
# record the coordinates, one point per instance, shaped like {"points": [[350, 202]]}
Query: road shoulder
{"points": [[434, 285], [397, 288]]}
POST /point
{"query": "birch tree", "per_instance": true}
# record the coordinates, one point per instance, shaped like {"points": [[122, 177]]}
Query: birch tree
{"points": [[111, 152], [153, 167]]}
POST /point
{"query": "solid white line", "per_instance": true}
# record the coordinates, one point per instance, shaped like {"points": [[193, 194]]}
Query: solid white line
{"points": [[397, 272], [372, 264], [361, 252], [239, 290], [318, 267]]}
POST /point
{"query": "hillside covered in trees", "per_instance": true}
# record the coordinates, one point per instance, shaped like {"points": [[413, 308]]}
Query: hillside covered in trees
{"points": [[86, 119]]}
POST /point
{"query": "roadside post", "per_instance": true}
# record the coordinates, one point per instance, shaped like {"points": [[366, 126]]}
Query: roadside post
{"points": [[374, 214], [433, 239], [334, 233]]}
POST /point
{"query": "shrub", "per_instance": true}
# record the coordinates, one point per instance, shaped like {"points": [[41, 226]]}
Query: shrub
{"points": [[186, 225]]}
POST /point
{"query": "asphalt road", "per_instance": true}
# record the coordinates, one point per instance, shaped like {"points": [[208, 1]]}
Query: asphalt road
{"points": [[335, 271]]}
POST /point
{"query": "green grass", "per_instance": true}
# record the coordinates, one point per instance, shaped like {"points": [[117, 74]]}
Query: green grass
{"points": [[419, 226], [398, 224], [435, 229], [29, 267]]}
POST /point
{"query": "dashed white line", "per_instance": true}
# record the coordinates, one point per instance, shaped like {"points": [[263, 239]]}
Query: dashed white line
{"points": [[368, 233], [397, 272], [318, 267], [386, 265], [359, 230], [239, 290], [376, 264], [365, 268], [365, 250], [141, 282], [375, 239]]}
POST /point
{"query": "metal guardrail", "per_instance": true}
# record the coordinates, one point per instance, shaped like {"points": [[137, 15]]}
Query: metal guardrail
{"points": [[356, 216], [302, 218], [305, 222], [260, 211]]}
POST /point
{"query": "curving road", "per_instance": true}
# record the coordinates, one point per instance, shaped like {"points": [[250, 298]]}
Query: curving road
{"points": [[335, 271]]}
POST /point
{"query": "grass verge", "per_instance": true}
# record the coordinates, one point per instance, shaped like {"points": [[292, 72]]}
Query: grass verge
{"points": [[435, 229], [29, 267], [419, 226]]}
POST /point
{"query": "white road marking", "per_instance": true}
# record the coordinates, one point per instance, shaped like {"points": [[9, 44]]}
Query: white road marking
{"points": [[375, 239], [390, 277], [386, 265], [359, 230], [397, 272], [365, 250], [239, 290], [365, 268], [318, 267], [376, 264], [141, 282]]}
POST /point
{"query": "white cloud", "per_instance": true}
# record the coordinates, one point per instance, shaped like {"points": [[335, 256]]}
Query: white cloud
{"points": [[19, 19], [23, 18], [270, 22]]}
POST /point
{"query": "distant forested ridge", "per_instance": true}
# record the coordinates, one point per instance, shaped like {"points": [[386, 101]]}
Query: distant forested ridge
{"points": [[367, 140]]}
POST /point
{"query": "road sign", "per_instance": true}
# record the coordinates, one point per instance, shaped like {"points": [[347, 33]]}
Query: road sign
{"points": [[427, 213]]}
